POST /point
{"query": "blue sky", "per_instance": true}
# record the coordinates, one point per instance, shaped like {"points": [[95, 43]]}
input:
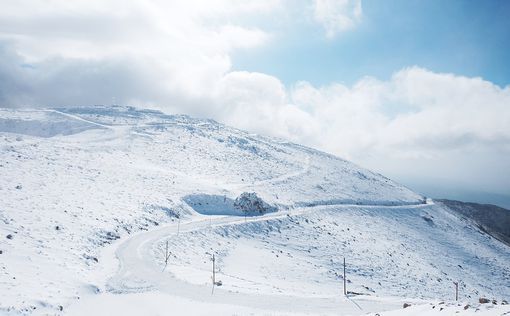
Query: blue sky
{"points": [[470, 38]]}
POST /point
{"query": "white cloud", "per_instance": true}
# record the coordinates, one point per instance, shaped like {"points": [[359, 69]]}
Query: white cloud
{"points": [[150, 52], [258, 102], [337, 16], [417, 112]]}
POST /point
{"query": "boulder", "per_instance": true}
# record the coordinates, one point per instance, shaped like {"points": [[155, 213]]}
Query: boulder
{"points": [[250, 204], [483, 300]]}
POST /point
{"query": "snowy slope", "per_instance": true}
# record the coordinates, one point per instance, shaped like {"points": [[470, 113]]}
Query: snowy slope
{"points": [[407, 252], [73, 181]]}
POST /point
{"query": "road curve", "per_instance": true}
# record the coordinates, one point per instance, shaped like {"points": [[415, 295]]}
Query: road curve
{"points": [[139, 272]]}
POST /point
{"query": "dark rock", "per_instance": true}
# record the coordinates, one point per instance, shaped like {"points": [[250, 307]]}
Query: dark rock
{"points": [[9, 236], [90, 258], [250, 203], [428, 219], [112, 236], [406, 305], [19, 187], [466, 307], [483, 300]]}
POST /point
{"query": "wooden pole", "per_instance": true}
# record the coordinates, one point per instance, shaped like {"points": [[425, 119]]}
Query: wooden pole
{"points": [[213, 270], [456, 290], [166, 253], [345, 282], [213, 275]]}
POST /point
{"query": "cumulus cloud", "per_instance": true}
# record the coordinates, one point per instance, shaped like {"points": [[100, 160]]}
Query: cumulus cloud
{"points": [[337, 15], [417, 112], [259, 102]]}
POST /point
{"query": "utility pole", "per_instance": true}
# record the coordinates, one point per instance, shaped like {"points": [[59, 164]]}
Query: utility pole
{"points": [[345, 289], [167, 255], [456, 290], [213, 273]]}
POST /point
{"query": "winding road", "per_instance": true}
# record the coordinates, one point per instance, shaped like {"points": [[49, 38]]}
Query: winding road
{"points": [[139, 271]]}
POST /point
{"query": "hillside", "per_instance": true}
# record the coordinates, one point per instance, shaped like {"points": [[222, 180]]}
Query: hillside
{"points": [[90, 196], [492, 219]]}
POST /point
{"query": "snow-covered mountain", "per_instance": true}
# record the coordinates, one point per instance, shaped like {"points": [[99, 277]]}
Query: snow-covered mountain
{"points": [[91, 197]]}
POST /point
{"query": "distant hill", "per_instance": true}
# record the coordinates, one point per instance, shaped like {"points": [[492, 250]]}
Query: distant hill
{"points": [[490, 218]]}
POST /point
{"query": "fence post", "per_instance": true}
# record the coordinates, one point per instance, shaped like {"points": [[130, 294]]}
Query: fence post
{"points": [[166, 253], [213, 274], [345, 282]]}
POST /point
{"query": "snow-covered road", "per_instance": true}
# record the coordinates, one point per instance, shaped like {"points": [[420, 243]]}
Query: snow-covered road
{"points": [[140, 271]]}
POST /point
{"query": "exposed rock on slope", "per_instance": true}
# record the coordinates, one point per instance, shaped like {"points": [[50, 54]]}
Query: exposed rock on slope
{"points": [[249, 203]]}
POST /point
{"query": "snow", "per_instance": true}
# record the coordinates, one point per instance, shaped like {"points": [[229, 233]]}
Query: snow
{"points": [[380, 244], [91, 195], [442, 308], [155, 303], [42, 123]]}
